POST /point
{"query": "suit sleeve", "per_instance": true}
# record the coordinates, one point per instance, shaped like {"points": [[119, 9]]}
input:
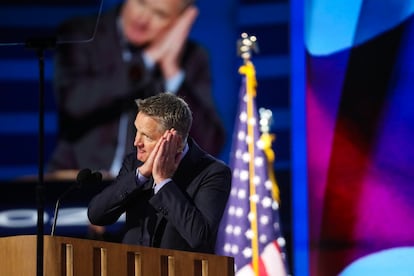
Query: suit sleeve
{"points": [[107, 206], [197, 218]]}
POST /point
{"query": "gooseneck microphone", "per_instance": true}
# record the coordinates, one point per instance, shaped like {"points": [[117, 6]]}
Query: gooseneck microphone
{"points": [[85, 176]]}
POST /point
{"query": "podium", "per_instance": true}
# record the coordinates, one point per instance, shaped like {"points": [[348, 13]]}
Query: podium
{"points": [[68, 256]]}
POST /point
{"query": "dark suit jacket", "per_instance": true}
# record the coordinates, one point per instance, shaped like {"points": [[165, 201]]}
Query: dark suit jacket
{"points": [[94, 86], [184, 215]]}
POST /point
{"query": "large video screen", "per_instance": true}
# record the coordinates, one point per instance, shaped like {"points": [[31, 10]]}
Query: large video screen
{"points": [[360, 124]]}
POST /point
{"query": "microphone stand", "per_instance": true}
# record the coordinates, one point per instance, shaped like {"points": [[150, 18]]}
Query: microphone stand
{"points": [[77, 185], [52, 233], [40, 45]]}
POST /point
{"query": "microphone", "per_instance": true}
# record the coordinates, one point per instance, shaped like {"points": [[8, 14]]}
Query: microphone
{"points": [[84, 176]]}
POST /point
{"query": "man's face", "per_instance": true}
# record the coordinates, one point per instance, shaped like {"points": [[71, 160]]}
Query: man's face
{"points": [[149, 132], [146, 20]]}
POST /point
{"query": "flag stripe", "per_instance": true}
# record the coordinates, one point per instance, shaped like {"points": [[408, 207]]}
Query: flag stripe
{"points": [[245, 271], [262, 268], [272, 259], [270, 263]]}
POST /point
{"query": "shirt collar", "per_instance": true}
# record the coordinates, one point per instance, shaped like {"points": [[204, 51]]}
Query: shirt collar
{"points": [[185, 150]]}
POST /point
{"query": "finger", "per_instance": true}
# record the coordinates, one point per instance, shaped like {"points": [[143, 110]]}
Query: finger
{"points": [[153, 154], [189, 14], [176, 141], [169, 146], [162, 147], [157, 146]]}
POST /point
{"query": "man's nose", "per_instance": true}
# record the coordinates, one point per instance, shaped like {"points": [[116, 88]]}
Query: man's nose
{"points": [[146, 15], [137, 140]]}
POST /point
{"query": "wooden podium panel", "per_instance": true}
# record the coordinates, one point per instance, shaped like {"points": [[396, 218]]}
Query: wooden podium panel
{"points": [[72, 256]]}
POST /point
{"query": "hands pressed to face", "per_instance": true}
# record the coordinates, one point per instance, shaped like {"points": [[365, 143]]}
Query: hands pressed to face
{"points": [[162, 26], [167, 156], [164, 157], [166, 49]]}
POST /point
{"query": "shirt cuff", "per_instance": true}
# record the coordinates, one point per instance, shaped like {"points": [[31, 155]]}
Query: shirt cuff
{"points": [[148, 62], [172, 84], [139, 178], [160, 185]]}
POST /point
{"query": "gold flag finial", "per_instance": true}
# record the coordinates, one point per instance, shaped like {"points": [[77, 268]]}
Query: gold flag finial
{"points": [[245, 45]]}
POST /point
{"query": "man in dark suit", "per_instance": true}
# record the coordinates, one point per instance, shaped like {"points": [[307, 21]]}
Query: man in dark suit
{"points": [[173, 193], [139, 47]]}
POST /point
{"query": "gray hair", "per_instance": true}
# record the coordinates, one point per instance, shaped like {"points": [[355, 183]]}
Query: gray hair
{"points": [[169, 110]]}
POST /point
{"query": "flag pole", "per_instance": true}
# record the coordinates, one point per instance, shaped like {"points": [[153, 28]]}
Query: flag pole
{"points": [[246, 44], [248, 70]]}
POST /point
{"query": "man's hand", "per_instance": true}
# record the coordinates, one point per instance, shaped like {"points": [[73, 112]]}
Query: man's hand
{"points": [[146, 168], [168, 156], [167, 49]]}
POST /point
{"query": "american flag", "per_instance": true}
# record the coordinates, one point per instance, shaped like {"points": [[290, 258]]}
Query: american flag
{"points": [[250, 230]]}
